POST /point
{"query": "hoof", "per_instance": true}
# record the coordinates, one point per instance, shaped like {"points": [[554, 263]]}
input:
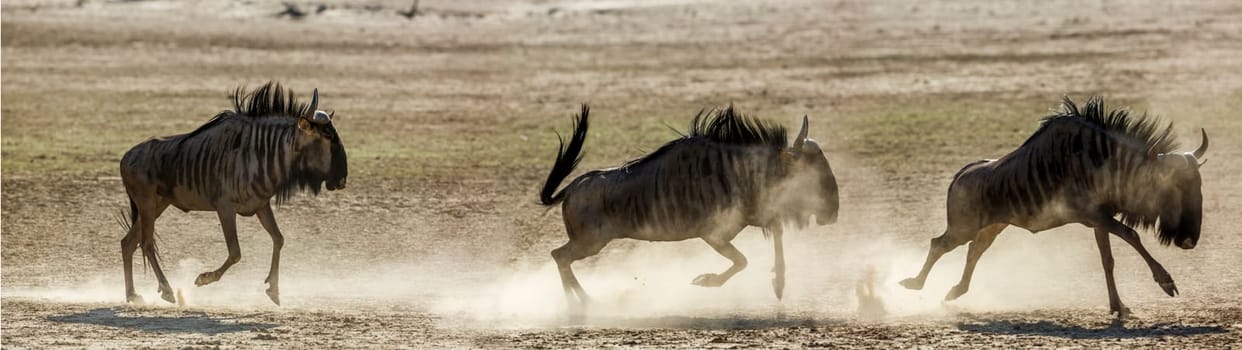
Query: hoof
{"points": [[167, 295], [1169, 288], [274, 294], [135, 299], [911, 283], [956, 292], [707, 280], [1122, 312], [206, 278]]}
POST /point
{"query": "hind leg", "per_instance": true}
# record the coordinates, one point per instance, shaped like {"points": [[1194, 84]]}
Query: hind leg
{"points": [[982, 241], [728, 251], [576, 249], [148, 249], [129, 244], [278, 241], [951, 239], [228, 222]]}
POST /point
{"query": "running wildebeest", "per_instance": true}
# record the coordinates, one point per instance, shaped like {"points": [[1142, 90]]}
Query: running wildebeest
{"points": [[268, 146], [729, 172], [1084, 166]]}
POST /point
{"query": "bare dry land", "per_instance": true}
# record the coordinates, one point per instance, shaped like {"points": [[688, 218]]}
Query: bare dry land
{"points": [[449, 117]]}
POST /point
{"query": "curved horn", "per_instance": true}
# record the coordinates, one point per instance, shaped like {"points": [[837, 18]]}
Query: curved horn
{"points": [[797, 146], [314, 104], [1202, 146]]}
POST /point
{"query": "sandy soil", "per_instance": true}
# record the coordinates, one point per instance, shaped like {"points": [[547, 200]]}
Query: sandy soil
{"points": [[448, 117]]}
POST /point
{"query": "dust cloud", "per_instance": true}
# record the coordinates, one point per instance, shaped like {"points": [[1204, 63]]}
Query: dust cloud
{"points": [[645, 284], [845, 271], [635, 283]]}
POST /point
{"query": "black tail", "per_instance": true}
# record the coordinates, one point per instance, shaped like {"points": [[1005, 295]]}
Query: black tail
{"points": [[128, 224], [567, 158]]}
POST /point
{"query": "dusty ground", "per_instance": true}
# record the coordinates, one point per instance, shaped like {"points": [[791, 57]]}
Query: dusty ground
{"points": [[449, 122]]}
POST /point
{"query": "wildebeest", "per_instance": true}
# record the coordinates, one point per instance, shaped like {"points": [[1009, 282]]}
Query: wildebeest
{"points": [[268, 146], [730, 171], [1087, 166]]}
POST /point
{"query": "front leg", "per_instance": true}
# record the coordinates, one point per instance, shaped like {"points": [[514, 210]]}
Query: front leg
{"points": [[1106, 259], [728, 251], [778, 281], [268, 220], [228, 222], [1127, 234]]}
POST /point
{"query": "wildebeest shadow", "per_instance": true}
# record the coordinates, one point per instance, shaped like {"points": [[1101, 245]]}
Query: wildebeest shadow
{"points": [[1116, 330], [188, 322], [724, 322]]}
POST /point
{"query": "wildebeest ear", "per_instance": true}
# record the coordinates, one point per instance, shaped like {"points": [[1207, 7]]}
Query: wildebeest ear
{"points": [[304, 124], [788, 156]]}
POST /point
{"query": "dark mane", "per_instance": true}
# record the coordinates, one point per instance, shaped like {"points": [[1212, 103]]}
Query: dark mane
{"points": [[728, 126], [269, 100], [1118, 121]]}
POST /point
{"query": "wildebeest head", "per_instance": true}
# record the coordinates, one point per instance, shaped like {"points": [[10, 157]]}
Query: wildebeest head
{"points": [[818, 186], [323, 155], [1181, 212]]}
